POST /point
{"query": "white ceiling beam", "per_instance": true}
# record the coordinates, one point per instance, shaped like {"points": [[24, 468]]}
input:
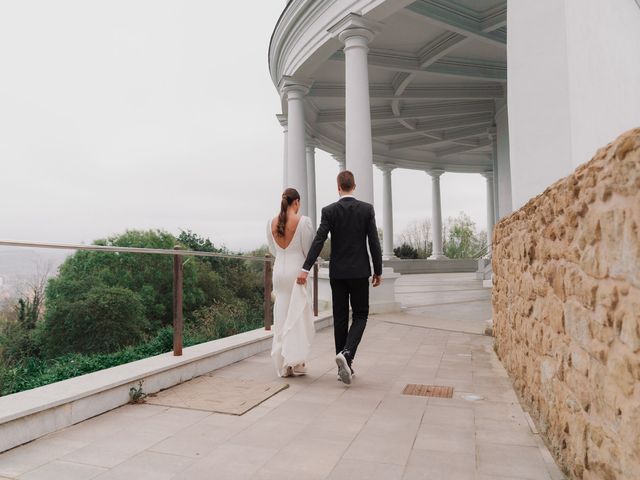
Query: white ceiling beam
{"points": [[414, 111], [437, 91], [435, 124], [453, 91], [408, 63], [438, 48], [494, 19], [444, 136], [456, 18], [460, 165], [470, 68], [484, 142]]}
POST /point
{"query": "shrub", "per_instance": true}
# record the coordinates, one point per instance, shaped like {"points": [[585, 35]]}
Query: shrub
{"points": [[18, 343], [405, 251], [219, 321], [222, 320], [104, 320], [36, 372]]}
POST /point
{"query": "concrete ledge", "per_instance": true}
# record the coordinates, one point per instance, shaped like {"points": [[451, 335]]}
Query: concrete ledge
{"points": [[382, 299], [28, 415], [432, 266]]}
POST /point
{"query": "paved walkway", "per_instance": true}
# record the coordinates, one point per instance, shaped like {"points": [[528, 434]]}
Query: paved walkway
{"points": [[321, 429]]}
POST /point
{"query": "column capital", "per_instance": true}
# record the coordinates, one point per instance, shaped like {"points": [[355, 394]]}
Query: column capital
{"points": [[283, 119], [294, 87], [435, 172], [354, 25], [312, 142], [386, 167], [339, 157], [488, 175]]}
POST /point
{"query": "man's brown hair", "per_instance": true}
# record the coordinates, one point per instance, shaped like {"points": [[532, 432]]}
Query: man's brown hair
{"points": [[346, 182]]}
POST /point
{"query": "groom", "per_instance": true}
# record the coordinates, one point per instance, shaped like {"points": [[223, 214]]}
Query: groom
{"points": [[352, 224]]}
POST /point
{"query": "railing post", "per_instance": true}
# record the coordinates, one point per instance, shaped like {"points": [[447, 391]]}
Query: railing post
{"points": [[268, 287], [177, 303], [315, 289]]}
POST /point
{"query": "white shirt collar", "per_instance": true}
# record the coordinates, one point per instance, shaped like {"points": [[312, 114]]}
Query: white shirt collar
{"points": [[346, 196]]}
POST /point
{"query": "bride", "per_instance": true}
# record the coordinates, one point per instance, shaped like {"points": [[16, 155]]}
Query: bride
{"points": [[289, 236]]}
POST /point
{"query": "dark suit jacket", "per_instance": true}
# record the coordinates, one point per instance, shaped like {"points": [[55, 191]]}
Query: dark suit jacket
{"points": [[352, 224]]}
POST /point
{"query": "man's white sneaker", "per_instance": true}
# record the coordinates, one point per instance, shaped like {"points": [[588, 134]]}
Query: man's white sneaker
{"points": [[344, 372], [353, 374]]}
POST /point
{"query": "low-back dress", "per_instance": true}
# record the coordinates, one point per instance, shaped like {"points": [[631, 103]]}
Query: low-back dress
{"points": [[293, 326]]}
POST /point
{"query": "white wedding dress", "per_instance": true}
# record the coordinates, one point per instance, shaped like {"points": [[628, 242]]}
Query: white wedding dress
{"points": [[293, 327]]}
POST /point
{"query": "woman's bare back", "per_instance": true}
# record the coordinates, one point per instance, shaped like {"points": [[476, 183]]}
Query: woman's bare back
{"points": [[289, 230]]}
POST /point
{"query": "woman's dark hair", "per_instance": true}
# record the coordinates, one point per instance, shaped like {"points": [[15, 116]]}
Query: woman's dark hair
{"points": [[289, 196]]}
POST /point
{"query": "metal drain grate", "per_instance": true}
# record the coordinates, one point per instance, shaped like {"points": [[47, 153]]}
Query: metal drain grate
{"points": [[428, 390]]}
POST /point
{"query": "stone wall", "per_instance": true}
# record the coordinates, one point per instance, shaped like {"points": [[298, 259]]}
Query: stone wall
{"points": [[566, 312]]}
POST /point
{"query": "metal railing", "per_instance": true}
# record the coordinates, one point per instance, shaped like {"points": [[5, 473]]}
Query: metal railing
{"points": [[482, 253], [177, 253]]}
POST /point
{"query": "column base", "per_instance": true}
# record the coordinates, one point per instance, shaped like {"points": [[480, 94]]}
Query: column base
{"points": [[438, 257]]}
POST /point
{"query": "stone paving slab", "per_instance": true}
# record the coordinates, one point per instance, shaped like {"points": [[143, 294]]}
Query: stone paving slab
{"points": [[319, 428]]}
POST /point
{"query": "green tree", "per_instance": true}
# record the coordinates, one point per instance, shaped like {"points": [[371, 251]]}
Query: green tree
{"points": [[461, 239], [105, 309], [103, 320], [230, 279], [148, 276], [20, 325]]}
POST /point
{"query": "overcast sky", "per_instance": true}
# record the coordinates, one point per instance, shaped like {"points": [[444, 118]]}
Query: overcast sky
{"points": [[157, 114]]}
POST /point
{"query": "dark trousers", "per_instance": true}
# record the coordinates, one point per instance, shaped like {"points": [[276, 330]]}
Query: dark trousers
{"points": [[343, 292]]}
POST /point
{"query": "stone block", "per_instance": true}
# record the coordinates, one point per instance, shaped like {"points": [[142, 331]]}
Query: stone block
{"points": [[579, 360], [579, 285], [553, 314], [630, 326], [577, 324], [593, 263]]}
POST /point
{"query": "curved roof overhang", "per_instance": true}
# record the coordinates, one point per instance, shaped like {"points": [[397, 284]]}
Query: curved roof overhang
{"points": [[437, 76]]}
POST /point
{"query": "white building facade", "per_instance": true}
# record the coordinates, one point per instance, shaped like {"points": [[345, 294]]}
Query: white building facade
{"points": [[520, 95]]}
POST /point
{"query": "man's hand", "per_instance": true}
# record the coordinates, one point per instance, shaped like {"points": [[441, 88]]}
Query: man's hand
{"points": [[302, 278], [376, 280]]}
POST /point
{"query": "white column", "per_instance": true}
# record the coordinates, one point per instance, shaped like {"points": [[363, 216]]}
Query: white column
{"points": [[311, 184], [342, 166], [387, 212], [356, 33], [436, 215], [490, 207], [502, 181], [285, 168], [296, 148], [494, 157]]}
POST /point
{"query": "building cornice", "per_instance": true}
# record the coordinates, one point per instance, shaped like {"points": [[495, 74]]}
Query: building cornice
{"points": [[302, 40]]}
